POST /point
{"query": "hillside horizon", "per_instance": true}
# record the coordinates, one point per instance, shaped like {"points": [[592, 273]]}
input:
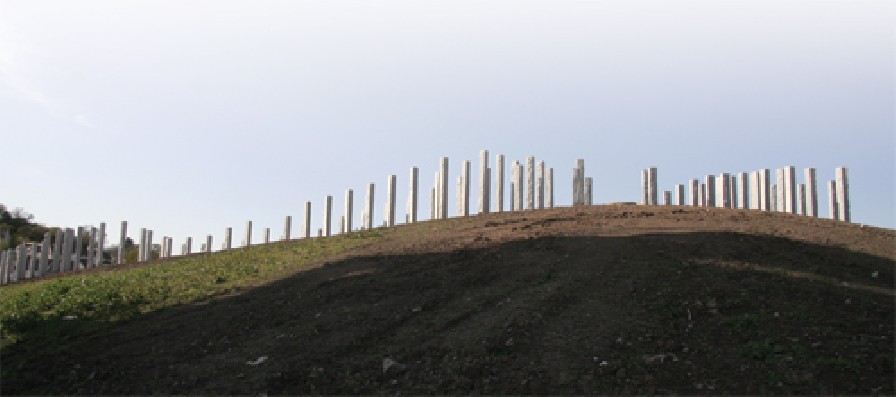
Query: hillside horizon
{"points": [[592, 299]]}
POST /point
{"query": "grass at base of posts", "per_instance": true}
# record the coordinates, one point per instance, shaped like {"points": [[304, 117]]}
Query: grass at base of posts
{"points": [[59, 306]]}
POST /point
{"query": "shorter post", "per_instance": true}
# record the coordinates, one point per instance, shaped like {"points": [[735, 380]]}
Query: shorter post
{"points": [[328, 211], [679, 194], [589, 197], [802, 196], [833, 206], [347, 215], [122, 242], [287, 228], [306, 230], [549, 188]]}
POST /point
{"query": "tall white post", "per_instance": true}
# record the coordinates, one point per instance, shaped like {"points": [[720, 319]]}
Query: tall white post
{"points": [[149, 244], [248, 233], [645, 187], [483, 182], [412, 201], [91, 248], [811, 192], [122, 241], [228, 238], [499, 183], [679, 194], [743, 191], [780, 200], [287, 228], [578, 187], [465, 194], [443, 214], [100, 244], [723, 191], [347, 214], [589, 198], [530, 183], [549, 188], [539, 182], [390, 200], [790, 189], [328, 211], [368, 208], [754, 190], [578, 183], [695, 192], [520, 174], [843, 208], [458, 195], [307, 226], [141, 251], [765, 189], [513, 186], [710, 194], [833, 207]]}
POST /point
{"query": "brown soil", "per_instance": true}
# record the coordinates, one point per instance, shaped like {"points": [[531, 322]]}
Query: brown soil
{"points": [[604, 299]]}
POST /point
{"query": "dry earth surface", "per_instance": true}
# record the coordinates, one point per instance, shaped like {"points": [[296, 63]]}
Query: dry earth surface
{"points": [[603, 299]]}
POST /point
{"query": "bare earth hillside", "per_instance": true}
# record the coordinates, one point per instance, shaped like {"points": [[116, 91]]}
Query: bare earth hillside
{"points": [[603, 299]]}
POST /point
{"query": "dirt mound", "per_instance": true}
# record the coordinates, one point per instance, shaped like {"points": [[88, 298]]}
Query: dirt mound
{"points": [[604, 299]]}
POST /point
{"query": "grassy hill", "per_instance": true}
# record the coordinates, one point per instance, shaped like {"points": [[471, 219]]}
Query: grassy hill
{"points": [[603, 299]]}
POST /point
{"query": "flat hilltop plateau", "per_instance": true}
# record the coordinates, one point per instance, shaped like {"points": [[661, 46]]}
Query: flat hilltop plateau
{"points": [[610, 299]]}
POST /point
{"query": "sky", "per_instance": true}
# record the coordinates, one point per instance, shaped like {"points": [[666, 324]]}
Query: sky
{"points": [[187, 117]]}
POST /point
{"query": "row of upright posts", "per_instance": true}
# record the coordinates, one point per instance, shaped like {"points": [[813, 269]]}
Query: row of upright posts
{"points": [[757, 191], [531, 187]]}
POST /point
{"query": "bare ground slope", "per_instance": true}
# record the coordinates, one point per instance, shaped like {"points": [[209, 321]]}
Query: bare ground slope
{"points": [[604, 299]]}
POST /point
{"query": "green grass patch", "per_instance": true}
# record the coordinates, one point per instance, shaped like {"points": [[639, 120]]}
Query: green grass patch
{"points": [[50, 307]]}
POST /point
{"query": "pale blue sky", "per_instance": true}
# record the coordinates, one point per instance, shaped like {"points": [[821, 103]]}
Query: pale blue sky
{"points": [[190, 116]]}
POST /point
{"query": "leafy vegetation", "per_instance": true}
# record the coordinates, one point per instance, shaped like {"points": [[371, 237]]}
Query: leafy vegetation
{"points": [[38, 309]]}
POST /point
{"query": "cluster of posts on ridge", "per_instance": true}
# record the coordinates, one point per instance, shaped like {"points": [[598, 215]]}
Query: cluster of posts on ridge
{"points": [[66, 251], [756, 191]]}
